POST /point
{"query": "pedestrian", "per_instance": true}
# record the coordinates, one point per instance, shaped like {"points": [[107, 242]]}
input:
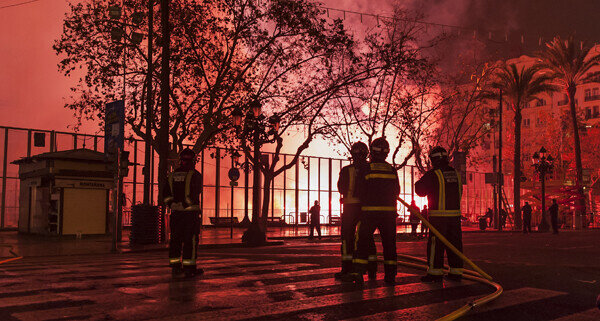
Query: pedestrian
{"points": [[527, 218], [413, 218], [443, 188], [425, 215], [315, 220], [503, 216], [489, 214], [351, 210], [554, 216], [379, 189], [182, 195]]}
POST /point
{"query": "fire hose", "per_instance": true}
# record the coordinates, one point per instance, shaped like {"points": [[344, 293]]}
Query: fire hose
{"points": [[14, 254], [477, 275]]}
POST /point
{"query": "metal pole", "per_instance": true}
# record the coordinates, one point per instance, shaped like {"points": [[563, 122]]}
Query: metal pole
{"points": [[297, 192], [500, 178], [217, 182], [29, 143], [231, 228], [116, 197], [135, 152], [149, 105], [330, 192], [4, 165], [284, 188]]}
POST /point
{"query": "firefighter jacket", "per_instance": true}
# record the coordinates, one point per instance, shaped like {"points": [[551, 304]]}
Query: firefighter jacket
{"points": [[378, 188], [443, 189], [347, 184], [183, 189]]}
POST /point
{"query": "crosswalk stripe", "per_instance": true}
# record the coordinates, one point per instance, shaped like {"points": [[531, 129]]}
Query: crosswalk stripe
{"points": [[432, 311], [245, 312], [159, 304], [587, 315]]}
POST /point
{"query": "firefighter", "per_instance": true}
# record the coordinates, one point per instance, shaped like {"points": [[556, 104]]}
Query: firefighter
{"points": [[351, 210], [443, 188], [182, 195], [379, 189]]}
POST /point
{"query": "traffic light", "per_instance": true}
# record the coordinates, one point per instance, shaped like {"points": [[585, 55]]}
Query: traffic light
{"points": [[124, 164]]}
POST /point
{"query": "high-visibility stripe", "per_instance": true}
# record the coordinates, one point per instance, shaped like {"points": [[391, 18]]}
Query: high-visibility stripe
{"points": [[360, 261], [171, 184], [344, 249], [356, 235], [447, 213], [189, 262], [346, 257], [174, 260], [378, 208], [435, 272], [351, 184], [380, 175], [372, 258], [441, 190], [168, 199], [390, 262], [431, 253], [457, 271], [188, 183], [381, 167]]}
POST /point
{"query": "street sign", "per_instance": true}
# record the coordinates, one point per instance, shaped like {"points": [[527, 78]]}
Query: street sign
{"points": [[114, 127], [233, 183], [234, 174]]}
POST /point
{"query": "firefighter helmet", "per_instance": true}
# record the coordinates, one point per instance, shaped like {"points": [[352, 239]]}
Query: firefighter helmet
{"points": [[438, 156], [379, 149], [359, 151], [187, 154]]}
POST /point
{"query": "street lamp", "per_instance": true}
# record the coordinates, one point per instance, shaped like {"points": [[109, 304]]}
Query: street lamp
{"points": [[543, 164], [255, 127]]}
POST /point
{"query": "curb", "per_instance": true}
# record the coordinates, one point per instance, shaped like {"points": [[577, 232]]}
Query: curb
{"points": [[200, 246]]}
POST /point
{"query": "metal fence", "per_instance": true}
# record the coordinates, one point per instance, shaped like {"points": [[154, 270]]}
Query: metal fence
{"points": [[292, 192]]}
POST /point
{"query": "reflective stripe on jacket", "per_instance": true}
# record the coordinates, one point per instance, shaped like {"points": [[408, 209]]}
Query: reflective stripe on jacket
{"points": [[379, 188], [443, 188]]}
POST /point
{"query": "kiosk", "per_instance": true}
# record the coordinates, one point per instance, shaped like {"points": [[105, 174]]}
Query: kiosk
{"points": [[65, 193]]}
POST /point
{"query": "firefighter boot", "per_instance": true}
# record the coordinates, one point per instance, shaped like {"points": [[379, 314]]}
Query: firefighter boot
{"points": [[430, 278], [354, 277], [176, 270], [346, 269]]}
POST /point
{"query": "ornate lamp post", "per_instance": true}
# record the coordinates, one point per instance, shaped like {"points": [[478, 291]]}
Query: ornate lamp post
{"points": [[543, 164], [255, 127]]}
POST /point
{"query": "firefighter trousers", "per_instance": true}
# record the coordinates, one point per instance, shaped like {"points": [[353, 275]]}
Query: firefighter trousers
{"points": [[368, 223], [450, 228], [184, 239], [350, 218]]}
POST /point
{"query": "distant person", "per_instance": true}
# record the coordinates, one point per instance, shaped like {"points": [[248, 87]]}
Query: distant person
{"points": [[182, 194], [443, 188], [503, 216], [489, 214], [351, 210], [554, 216], [425, 214], [527, 218], [414, 219], [315, 220]]}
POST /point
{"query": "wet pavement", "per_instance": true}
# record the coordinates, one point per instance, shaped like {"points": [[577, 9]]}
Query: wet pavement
{"points": [[545, 277]]}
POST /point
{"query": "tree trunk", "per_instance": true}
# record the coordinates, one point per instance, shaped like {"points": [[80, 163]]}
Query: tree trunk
{"points": [[164, 148], [579, 167], [517, 169], [266, 199]]}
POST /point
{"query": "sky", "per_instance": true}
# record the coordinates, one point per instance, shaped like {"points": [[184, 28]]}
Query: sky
{"points": [[33, 92]]}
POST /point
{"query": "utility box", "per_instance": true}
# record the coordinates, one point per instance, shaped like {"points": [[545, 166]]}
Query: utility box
{"points": [[65, 193]]}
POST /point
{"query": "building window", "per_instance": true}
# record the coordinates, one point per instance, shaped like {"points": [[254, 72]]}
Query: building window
{"points": [[596, 92], [526, 123], [596, 112], [588, 93], [538, 122], [540, 102], [588, 113]]}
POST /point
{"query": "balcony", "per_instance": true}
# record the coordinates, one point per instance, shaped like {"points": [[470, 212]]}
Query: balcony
{"points": [[591, 98]]}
